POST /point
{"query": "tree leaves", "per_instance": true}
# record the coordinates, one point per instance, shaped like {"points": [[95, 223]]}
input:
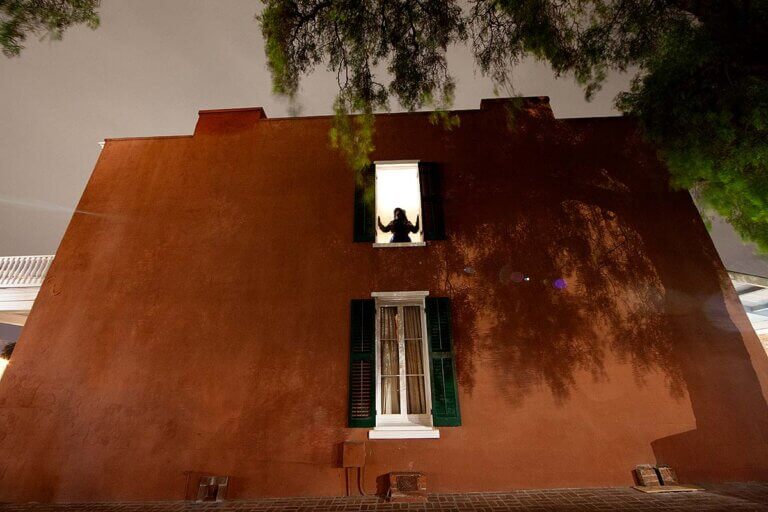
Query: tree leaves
{"points": [[20, 18], [354, 38], [7, 350], [704, 102]]}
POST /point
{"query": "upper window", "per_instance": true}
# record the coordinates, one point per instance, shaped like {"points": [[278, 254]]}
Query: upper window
{"points": [[398, 203]]}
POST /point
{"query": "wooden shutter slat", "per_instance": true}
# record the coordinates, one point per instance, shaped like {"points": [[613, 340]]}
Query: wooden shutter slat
{"points": [[365, 207], [445, 400], [362, 360], [433, 220]]}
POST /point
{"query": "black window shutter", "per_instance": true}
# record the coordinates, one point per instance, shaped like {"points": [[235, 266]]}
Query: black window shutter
{"points": [[431, 201], [365, 207], [445, 399], [362, 362]]}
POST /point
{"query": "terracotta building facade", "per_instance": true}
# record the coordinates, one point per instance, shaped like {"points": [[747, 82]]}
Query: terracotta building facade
{"points": [[542, 311]]}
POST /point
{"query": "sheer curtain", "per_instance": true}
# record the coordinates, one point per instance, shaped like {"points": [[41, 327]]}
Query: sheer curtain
{"points": [[390, 362], [414, 362]]}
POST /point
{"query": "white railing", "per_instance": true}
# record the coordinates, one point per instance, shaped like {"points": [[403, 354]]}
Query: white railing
{"points": [[23, 271]]}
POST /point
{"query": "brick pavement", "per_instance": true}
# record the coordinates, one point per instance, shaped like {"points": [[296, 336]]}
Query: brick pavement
{"points": [[735, 497]]}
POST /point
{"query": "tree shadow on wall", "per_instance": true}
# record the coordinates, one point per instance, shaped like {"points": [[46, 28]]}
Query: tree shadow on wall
{"points": [[642, 280], [551, 301]]}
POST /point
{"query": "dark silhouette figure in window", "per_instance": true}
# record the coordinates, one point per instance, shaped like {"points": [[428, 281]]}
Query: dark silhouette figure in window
{"points": [[400, 227]]}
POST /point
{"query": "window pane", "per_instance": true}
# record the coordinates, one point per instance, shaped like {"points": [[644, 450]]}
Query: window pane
{"points": [[390, 358], [412, 322], [417, 400], [388, 323], [414, 364], [397, 186], [413, 358], [390, 395]]}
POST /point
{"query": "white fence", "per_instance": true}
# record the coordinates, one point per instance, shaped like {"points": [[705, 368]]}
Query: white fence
{"points": [[23, 271]]}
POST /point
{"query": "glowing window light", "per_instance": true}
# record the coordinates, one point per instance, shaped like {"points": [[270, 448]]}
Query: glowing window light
{"points": [[397, 186], [3, 365]]}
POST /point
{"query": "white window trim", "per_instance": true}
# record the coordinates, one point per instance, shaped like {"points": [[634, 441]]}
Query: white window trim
{"points": [[394, 164], [412, 433], [403, 425], [399, 244], [391, 296]]}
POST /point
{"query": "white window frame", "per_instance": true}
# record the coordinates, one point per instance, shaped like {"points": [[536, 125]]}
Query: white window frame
{"points": [[394, 163], [403, 425]]}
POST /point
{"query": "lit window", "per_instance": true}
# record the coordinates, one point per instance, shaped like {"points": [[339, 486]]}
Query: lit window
{"points": [[398, 203]]}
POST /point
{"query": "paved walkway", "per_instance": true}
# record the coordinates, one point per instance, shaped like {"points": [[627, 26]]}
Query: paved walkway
{"points": [[722, 497]]}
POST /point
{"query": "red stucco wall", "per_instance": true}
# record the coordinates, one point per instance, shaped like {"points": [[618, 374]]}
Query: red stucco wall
{"points": [[196, 317]]}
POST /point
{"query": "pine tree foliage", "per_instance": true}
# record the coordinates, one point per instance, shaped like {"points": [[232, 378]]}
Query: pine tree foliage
{"points": [[21, 18], [700, 91]]}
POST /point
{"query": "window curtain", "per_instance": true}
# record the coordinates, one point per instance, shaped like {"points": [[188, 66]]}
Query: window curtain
{"points": [[414, 361], [390, 362]]}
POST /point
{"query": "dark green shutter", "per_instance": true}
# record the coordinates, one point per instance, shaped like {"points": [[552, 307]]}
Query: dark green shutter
{"points": [[362, 364], [445, 399], [431, 201], [365, 207]]}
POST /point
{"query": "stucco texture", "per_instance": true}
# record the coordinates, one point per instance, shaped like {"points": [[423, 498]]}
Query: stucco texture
{"points": [[196, 317]]}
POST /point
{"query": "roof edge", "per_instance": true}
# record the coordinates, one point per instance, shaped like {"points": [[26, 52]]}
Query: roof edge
{"points": [[148, 137], [226, 120]]}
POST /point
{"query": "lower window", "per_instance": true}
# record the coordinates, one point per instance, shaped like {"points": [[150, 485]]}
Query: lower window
{"points": [[402, 388], [402, 379]]}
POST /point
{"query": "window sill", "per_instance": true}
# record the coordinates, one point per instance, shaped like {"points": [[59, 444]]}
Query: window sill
{"points": [[404, 433], [400, 244]]}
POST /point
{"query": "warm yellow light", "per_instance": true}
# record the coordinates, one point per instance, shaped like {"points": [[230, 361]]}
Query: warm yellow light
{"points": [[3, 364], [397, 186]]}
